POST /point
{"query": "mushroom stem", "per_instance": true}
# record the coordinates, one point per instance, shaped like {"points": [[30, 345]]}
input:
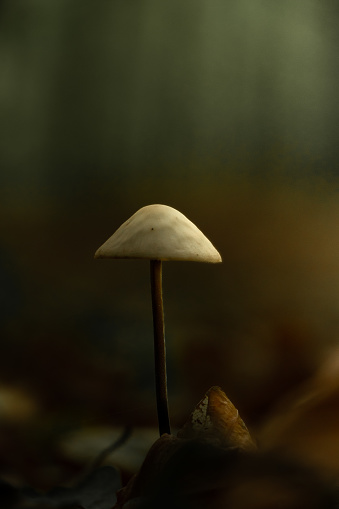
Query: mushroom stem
{"points": [[159, 347]]}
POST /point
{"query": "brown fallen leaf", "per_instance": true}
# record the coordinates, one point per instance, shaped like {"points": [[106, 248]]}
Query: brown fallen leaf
{"points": [[191, 473], [140, 485], [215, 422], [216, 419]]}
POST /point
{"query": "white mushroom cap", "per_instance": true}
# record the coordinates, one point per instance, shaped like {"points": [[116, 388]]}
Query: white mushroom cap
{"points": [[159, 232]]}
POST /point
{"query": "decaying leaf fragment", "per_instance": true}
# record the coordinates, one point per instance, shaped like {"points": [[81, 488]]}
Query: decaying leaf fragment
{"points": [[216, 419], [214, 424]]}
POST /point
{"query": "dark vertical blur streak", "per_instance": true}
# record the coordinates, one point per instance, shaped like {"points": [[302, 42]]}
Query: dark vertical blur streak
{"points": [[166, 83]]}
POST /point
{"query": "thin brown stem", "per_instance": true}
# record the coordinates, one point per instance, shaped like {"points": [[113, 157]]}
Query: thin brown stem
{"points": [[159, 347]]}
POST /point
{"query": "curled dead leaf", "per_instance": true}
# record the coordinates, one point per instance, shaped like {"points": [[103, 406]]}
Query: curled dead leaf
{"points": [[141, 484], [216, 419], [215, 422]]}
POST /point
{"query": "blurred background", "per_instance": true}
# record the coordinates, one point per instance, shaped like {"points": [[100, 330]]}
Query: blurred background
{"points": [[225, 110]]}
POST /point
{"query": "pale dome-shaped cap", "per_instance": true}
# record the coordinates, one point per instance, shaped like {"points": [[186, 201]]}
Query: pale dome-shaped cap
{"points": [[159, 232]]}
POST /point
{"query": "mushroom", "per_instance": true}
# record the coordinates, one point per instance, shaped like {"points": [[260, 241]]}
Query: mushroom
{"points": [[159, 233]]}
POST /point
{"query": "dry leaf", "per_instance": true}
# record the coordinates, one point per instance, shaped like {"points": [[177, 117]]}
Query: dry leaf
{"points": [[216, 419], [141, 484], [214, 422]]}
